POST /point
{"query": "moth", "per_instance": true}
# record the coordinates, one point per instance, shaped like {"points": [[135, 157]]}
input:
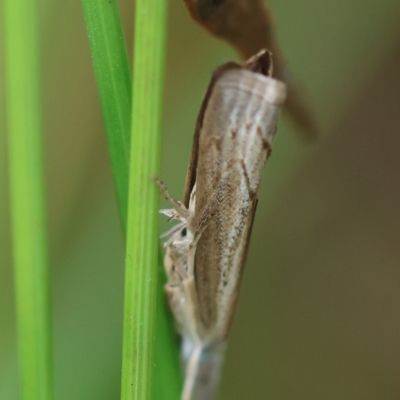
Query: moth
{"points": [[206, 250]]}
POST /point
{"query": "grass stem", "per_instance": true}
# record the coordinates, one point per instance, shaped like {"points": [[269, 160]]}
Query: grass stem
{"points": [[28, 199], [142, 227]]}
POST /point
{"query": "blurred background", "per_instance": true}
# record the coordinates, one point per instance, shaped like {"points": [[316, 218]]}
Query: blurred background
{"points": [[319, 313]]}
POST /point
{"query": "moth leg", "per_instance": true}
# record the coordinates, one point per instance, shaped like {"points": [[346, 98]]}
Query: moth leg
{"points": [[178, 206], [171, 232], [181, 293], [172, 265], [176, 258]]}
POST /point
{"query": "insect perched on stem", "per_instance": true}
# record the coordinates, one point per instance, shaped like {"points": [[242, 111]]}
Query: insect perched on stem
{"points": [[206, 251]]}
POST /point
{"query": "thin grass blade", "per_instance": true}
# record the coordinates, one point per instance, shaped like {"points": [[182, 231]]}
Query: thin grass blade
{"points": [[28, 200], [111, 67], [142, 233]]}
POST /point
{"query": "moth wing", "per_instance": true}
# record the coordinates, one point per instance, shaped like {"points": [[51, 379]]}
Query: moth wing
{"points": [[234, 144], [230, 311], [192, 168]]}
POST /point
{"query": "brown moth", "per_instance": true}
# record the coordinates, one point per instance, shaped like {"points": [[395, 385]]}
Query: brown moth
{"points": [[206, 251]]}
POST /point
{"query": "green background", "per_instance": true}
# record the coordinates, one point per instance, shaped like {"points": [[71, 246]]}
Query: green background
{"points": [[319, 313]]}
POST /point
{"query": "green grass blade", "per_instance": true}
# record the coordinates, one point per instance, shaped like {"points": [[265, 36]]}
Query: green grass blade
{"points": [[27, 200], [110, 62], [112, 75], [142, 232]]}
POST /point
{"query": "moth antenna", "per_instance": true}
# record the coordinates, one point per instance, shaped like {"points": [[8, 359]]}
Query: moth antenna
{"points": [[178, 206]]}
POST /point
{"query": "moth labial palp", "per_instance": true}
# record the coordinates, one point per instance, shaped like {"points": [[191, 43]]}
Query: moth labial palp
{"points": [[206, 251]]}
